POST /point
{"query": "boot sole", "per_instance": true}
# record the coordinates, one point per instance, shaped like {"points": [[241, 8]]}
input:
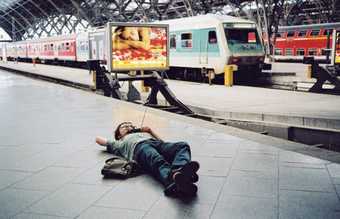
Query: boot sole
{"points": [[184, 186], [190, 168]]}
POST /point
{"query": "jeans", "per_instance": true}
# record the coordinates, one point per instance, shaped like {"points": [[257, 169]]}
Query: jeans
{"points": [[160, 158]]}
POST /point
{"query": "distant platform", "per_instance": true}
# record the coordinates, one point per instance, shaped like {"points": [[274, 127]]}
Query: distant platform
{"points": [[50, 164]]}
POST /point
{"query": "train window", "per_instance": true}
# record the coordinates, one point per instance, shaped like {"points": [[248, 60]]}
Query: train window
{"points": [[186, 39], [314, 33], [289, 52], [212, 37], [300, 52], [312, 52], [251, 37], [173, 41], [236, 37], [290, 33], [302, 33], [278, 52]]}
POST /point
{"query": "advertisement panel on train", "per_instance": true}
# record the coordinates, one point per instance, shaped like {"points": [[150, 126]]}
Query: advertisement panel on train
{"points": [[139, 46]]}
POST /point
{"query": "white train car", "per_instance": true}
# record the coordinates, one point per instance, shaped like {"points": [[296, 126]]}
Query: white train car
{"points": [[210, 42], [82, 47], [11, 51], [3, 55], [98, 45]]}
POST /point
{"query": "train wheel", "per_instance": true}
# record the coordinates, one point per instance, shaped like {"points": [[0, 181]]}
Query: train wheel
{"points": [[191, 75], [185, 74], [199, 76]]}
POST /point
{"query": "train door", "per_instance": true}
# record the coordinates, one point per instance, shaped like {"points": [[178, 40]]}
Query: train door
{"points": [[92, 48], [55, 49], [203, 48], [97, 45], [213, 49], [208, 45], [82, 49], [101, 49]]}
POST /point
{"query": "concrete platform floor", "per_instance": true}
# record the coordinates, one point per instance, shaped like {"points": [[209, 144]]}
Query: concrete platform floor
{"points": [[50, 165], [237, 102]]}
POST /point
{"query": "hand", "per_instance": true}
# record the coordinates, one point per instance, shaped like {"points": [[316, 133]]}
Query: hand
{"points": [[146, 129], [101, 140]]}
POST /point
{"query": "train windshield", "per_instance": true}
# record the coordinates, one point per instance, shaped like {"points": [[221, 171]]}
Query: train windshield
{"points": [[243, 38]]}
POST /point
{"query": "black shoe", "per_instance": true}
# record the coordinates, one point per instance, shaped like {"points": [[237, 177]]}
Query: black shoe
{"points": [[182, 191], [171, 190], [192, 167], [184, 184], [191, 191], [186, 190], [194, 178], [189, 171]]}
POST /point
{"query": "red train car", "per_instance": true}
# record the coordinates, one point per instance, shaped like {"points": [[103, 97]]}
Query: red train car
{"points": [[53, 48], [295, 42]]}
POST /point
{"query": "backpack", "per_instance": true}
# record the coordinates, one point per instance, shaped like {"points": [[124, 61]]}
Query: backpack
{"points": [[119, 167]]}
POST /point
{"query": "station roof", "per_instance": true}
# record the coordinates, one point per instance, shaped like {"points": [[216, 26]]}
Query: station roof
{"points": [[17, 16], [21, 19]]}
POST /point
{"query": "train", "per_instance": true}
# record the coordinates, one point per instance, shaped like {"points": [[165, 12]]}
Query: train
{"points": [[210, 42], [69, 50], [295, 42], [198, 46]]}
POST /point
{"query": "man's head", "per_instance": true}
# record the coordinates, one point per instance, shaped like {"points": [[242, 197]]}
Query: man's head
{"points": [[123, 129]]}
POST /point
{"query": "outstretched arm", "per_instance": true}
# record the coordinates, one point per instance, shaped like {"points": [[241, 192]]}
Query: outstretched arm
{"points": [[101, 140], [120, 44], [149, 130]]}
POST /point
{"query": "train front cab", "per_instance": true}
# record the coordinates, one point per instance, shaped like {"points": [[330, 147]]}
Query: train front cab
{"points": [[244, 49]]}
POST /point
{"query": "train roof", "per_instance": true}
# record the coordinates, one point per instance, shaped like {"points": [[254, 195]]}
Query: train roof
{"points": [[310, 26], [203, 21]]}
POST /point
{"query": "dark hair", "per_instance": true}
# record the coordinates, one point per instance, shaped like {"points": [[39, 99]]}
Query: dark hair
{"points": [[117, 133], [119, 28]]}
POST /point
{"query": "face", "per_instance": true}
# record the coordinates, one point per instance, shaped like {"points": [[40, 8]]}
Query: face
{"points": [[125, 128], [130, 33]]}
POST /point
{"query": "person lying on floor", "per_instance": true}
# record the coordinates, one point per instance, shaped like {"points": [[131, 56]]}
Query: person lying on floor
{"points": [[170, 163]]}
